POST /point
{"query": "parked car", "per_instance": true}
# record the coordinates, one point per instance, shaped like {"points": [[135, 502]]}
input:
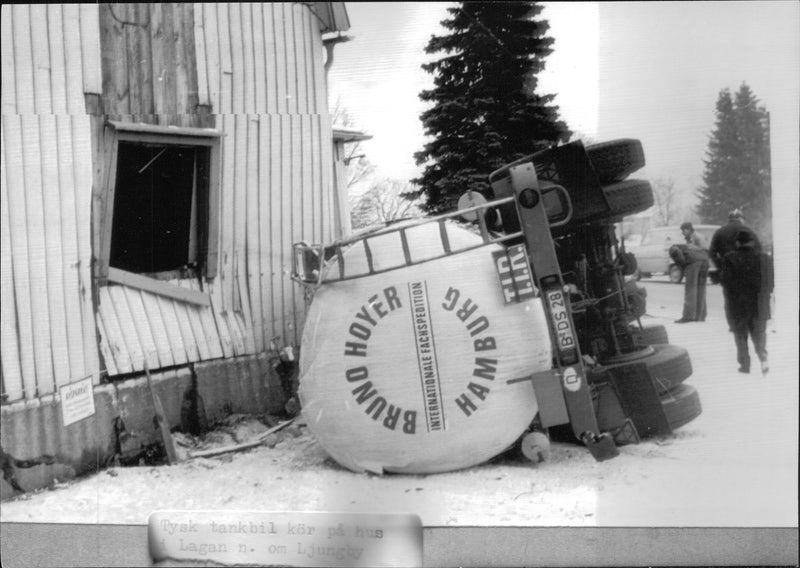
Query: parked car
{"points": [[652, 254]]}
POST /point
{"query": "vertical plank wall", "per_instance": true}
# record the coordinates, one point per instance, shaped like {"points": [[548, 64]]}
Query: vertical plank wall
{"points": [[49, 60], [260, 68], [149, 76]]}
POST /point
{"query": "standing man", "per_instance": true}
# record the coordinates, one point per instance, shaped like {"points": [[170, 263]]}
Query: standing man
{"points": [[748, 276], [724, 241], [695, 273]]}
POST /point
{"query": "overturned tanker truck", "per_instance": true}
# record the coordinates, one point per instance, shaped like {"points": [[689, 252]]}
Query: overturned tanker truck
{"points": [[436, 344]]}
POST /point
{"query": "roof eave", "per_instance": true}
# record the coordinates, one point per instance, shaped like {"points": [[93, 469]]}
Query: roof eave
{"points": [[332, 16], [347, 135]]}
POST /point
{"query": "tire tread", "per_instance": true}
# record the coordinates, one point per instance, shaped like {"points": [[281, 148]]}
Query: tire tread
{"points": [[681, 405], [616, 159], [628, 197]]}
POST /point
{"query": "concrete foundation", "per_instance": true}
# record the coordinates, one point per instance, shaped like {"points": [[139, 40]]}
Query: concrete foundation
{"points": [[31, 429]]}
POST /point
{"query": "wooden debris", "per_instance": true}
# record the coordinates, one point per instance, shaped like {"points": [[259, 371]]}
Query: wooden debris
{"points": [[163, 425], [243, 446]]}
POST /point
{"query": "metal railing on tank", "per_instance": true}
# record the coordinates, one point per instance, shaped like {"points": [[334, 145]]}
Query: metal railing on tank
{"points": [[312, 264]]}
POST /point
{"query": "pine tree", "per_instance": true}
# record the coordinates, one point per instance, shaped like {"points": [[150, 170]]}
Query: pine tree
{"points": [[719, 178], [752, 122], [485, 110], [737, 172]]}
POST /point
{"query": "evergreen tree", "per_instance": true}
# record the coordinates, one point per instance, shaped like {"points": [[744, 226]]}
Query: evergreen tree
{"points": [[752, 122], [737, 171], [719, 178], [485, 110]]}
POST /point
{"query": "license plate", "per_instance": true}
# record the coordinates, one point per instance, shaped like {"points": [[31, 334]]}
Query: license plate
{"points": [[565, 339]]}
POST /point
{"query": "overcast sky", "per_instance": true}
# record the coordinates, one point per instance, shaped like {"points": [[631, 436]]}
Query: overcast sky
{"points": [[663, 64], [377, 76], [647, 70]]}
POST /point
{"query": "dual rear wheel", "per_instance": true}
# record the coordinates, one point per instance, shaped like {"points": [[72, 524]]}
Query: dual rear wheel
{"points": [[613, 162], [668, 366]]}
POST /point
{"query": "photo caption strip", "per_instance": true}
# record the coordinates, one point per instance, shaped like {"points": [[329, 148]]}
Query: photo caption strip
{"points": [[286, 538]]}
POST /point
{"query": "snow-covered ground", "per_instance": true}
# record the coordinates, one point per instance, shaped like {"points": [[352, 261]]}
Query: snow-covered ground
{"points": [[734, 466]]}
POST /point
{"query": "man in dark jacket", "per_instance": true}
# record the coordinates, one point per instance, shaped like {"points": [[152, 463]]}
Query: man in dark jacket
{"points": [[747, 274], [724, 239]]}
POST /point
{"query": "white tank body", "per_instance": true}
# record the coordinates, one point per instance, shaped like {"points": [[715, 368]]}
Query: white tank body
{"points": [[416, 369]]}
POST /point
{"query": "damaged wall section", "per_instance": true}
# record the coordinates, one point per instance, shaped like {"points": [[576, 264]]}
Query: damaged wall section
{"points": [[34, 431]]}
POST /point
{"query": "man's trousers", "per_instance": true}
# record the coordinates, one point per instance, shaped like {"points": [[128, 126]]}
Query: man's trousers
{"points": [[694, 296], [757, 330]]}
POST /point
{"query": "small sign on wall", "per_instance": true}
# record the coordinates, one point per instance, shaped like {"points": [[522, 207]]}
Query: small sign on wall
{"points": [[77, 400]]}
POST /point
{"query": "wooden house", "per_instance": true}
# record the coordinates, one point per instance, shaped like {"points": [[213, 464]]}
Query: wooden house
{"points": [[158, 162]]}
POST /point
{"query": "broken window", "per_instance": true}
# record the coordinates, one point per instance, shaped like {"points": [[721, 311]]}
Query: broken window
{"points": [[160, 219], [158, 210]]}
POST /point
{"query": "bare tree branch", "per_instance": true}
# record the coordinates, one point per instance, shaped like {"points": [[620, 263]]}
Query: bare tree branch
{"points": [[382, 203], [358, 169]]}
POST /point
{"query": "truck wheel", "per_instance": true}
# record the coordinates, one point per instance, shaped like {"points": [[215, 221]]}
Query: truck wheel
{"points": [[650, 335], [616, 159], [681, 405], [668, 366], [628, 197], [675, 274]]}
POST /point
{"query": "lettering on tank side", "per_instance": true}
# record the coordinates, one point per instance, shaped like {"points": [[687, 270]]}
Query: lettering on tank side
{"points": [[468, 312], [356, 344], [427, 361], [367, 318]]}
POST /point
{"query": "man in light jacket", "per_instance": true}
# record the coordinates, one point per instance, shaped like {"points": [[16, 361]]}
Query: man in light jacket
{"points": [[693, 257]]}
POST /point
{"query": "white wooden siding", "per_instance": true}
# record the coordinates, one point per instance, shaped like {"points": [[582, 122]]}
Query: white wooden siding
{"points": [[278, 175], [266, 84], [10, 332], [260, 58], [49, 336], [137, 325], [51, 57], [260, 68]]}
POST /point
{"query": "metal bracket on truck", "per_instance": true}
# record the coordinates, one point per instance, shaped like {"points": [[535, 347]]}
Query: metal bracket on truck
{"points": [[536, 228]]}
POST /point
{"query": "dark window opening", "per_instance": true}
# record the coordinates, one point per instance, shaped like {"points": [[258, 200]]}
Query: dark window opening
{"points": [[160, 218]]}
